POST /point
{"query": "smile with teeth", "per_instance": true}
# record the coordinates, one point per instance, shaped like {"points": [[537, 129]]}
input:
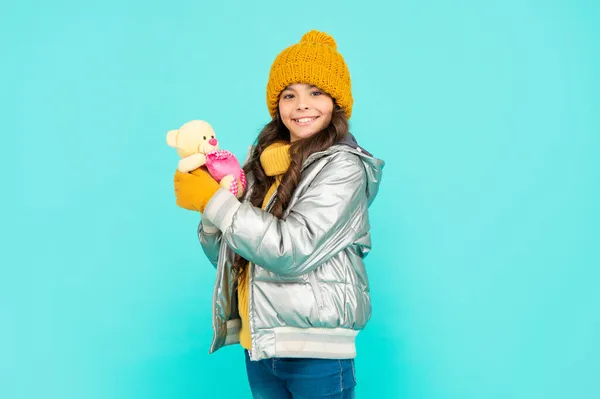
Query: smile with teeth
{"points": [[305, 120]]}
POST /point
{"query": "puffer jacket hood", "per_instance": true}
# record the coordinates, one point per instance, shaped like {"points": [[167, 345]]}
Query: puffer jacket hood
{"points": [[373, 166]]}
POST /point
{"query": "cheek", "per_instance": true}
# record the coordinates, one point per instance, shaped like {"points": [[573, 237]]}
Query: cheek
{"points": [[326, 107], [284, 110], [328, 113]]}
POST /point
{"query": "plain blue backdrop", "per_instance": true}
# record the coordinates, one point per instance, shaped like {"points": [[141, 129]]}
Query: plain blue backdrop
{"points": [[486, 252]]}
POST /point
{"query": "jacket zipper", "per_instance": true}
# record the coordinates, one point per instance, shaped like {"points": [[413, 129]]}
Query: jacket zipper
{"points": [[252, 353]]}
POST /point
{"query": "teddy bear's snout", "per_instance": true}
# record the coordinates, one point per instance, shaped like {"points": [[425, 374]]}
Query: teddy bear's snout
{"points": [[212, 142]]}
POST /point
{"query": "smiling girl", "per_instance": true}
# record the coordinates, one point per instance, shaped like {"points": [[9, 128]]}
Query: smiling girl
{"points": [[291, 284]]}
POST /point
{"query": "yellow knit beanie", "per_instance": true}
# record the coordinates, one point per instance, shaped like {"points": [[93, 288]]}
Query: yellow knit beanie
{"points": [[315, 61]]}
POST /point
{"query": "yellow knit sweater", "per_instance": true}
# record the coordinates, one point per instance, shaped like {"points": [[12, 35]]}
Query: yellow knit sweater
{"points": [[275, 161]]}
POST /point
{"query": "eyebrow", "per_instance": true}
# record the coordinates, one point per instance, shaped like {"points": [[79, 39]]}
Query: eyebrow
{"points": [[310, 87]]}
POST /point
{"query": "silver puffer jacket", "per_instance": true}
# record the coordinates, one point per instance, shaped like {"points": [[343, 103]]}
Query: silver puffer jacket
{"points": [[309, 291]]}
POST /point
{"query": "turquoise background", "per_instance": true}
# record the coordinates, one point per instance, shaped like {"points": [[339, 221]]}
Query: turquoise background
{"points": [[486, 242]]}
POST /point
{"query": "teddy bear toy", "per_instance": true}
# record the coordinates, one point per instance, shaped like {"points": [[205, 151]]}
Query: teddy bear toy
{"points": [[197, 145]]}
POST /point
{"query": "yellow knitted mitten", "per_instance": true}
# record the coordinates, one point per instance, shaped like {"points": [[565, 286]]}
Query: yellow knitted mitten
{"points": [[193, 190]]}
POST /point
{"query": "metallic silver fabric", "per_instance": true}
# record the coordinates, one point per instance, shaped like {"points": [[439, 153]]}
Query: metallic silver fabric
{"points": [[309, 291]]}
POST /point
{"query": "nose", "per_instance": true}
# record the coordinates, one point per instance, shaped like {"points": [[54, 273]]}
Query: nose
{"points": [[212, 142], [301, 102]]}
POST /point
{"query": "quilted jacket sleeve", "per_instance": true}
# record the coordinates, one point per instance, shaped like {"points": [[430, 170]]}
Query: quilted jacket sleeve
{"points": [[319, 224]]}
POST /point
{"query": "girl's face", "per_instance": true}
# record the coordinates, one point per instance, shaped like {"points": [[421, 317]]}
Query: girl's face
{"points": [[304, 110]]}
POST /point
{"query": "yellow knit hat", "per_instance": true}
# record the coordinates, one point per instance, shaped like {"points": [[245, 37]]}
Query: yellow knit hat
{"points": [[315, 61]]}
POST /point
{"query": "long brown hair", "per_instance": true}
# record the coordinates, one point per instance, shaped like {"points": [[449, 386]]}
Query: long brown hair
{"points": [[274, 131]]}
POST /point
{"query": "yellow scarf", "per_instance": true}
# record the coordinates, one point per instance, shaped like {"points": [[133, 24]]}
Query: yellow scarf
{"points": [[275, 161]]}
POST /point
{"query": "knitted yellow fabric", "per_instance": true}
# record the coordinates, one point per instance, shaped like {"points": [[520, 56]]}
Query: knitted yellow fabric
{"points": [[316, 61], [275, 160]]}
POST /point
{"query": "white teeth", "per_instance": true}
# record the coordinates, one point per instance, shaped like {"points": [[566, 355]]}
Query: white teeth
{"points": [[304, 120]]}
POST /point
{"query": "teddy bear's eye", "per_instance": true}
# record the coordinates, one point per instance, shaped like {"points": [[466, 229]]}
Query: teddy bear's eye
{"points": [[212, 137], [204, 138]]}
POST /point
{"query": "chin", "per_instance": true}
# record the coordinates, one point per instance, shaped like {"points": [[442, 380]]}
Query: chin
{"points": [[306, 133], [302, 135]]}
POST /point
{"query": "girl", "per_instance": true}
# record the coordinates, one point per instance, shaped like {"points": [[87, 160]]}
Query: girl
{"points": [[291, 285]]}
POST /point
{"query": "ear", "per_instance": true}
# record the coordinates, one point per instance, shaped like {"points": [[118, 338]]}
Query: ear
{"points": [[172, 137]]}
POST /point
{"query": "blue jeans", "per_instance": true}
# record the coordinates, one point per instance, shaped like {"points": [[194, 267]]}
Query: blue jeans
{"points": [[291, 378]]}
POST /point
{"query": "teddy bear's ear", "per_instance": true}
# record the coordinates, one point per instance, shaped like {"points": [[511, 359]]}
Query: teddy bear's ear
{"points": [[172, 137]]}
